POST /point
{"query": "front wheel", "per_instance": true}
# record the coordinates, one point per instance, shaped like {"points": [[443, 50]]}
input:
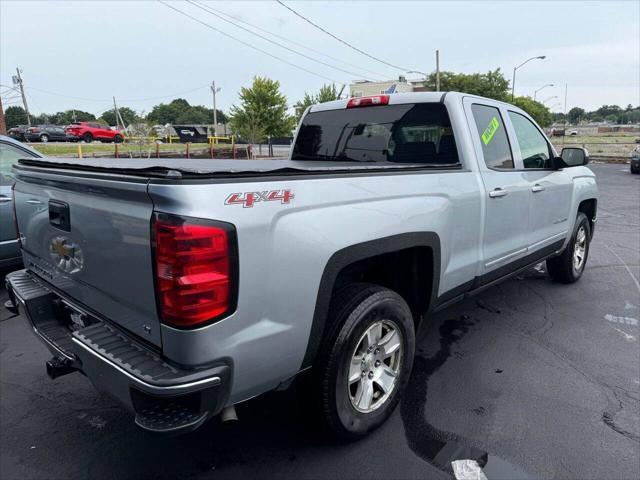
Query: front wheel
{"points": [[365, 360], [569, 265], [118, 139], [44, 138], [87, 137]]}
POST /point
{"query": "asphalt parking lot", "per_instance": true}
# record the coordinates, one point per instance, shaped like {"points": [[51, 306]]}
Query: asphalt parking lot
{"points": [[535, 379]]}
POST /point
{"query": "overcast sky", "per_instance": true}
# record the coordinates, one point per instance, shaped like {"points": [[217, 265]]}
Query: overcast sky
{"points": [[140, 51]]}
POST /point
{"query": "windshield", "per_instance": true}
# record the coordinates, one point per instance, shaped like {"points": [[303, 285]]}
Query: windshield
{"points": [[409, 133]]}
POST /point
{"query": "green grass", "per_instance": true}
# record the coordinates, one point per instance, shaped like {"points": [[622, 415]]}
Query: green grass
{"points": [[71, 149]]}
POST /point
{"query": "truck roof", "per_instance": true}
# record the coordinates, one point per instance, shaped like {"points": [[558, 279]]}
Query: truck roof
{"points": [[405, 97]]}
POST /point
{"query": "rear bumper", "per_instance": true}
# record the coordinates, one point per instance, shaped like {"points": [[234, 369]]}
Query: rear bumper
{"points": [[165, 398]]}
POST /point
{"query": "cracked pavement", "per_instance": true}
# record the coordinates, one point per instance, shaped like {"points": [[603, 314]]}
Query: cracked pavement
{"points": [[532, 379]]}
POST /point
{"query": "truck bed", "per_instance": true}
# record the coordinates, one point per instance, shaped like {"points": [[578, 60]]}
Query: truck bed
{"points": [[189, 168]]}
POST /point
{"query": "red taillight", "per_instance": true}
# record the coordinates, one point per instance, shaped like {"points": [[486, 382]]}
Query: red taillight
{"points": [[15, 215], [368, 101], [195, 269], [34, 130]]}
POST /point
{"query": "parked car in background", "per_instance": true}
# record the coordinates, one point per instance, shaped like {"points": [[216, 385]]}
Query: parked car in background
{"points": [[17, 132], [635, 160], [90, 131], [10, 151], [573, 133], [45, 133]]}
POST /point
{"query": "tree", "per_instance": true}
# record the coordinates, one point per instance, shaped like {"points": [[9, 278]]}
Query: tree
{"points": [[179, 111], [15, 116], [541, 114], [128, 115], [327, 93], [262, 112], [492, 84], [575, 115], [69, 116]]}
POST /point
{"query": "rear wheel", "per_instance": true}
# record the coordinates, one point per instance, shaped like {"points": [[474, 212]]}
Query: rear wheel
{"points": [[365, 360], [635, 169], [87, 137], [44, 138], [569, 265]]}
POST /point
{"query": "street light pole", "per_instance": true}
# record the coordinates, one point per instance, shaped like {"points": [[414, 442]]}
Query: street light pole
{"points": [[544, 86], [550, 98], [513, 84], [215, 90]]}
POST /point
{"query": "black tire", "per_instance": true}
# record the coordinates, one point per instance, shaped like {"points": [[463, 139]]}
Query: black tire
{"points": [[563, 268], [118, 139], [44, 138], [635, 170], [87, 137], [354, 309]]}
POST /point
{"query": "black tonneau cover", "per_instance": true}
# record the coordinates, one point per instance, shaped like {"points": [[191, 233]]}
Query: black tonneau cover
{"points": [[185, 167]]}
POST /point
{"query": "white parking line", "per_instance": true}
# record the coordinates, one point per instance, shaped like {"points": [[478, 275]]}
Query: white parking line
{"points": [[625, 266], [624, 320], [467, 470], [627, 337]]}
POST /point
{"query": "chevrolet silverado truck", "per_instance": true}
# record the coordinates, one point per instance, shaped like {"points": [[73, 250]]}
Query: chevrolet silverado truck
{"points": [[183, 287]]}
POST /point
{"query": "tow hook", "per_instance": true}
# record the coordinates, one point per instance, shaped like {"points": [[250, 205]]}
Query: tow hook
{"points": [[57, 367]]}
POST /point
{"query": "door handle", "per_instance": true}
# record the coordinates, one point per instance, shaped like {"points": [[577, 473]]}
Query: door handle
{"points": [[4, 199], [34, 202], [498, 192], [537, 188]]}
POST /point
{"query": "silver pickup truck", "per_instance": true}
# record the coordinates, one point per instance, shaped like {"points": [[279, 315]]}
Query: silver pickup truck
{"points": [[183, 287]]}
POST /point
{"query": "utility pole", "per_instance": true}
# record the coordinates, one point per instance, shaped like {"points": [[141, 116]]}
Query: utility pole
{"points": [[215, 90], [17, 80], [118, 116], [565, 113], [3, 125], [115, 112], [437, 70]]}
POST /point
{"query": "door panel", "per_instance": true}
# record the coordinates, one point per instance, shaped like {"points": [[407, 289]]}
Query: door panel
{"points": [[550, 189], [549, 207], [506, 223]]}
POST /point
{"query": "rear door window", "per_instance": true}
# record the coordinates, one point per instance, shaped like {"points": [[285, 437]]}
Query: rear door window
{"points": [[493, 137], [408, 133]]}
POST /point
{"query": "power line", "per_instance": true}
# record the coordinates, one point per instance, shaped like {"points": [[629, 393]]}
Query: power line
{"points": [[202, 7], [293, 42], [124, 100], [340, 40], [264, 52]]}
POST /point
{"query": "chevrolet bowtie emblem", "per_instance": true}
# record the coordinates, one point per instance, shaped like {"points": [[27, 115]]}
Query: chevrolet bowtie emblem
{"points": [[66, 255]]}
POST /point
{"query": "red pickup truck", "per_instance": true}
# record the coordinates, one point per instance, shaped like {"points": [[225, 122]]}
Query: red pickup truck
{"points": [[90, 131]]}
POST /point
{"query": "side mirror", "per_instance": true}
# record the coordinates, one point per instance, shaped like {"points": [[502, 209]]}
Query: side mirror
{"points": [[574, 156]]}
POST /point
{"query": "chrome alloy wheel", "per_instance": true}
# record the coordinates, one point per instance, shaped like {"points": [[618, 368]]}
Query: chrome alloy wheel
{"points": [[579, 249], [375, 365]]}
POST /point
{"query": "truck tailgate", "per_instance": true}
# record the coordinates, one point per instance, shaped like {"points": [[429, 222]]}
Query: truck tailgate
{"points": [[90, 238]]}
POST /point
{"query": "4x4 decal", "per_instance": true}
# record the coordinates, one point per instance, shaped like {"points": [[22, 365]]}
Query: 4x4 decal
{"points": [[249, 199]]}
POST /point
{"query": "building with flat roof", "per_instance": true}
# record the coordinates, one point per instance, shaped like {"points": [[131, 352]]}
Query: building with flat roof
{"points": [[363, 88]]}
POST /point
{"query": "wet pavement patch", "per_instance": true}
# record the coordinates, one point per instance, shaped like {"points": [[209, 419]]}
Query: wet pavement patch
{"points": [[438, 447]]}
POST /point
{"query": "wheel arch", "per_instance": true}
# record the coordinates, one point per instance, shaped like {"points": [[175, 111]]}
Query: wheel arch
{"points": [[399, 249], [589, 207]]}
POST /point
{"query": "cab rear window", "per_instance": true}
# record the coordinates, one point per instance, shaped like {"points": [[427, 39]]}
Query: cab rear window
{"points": [[408, 133]]}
